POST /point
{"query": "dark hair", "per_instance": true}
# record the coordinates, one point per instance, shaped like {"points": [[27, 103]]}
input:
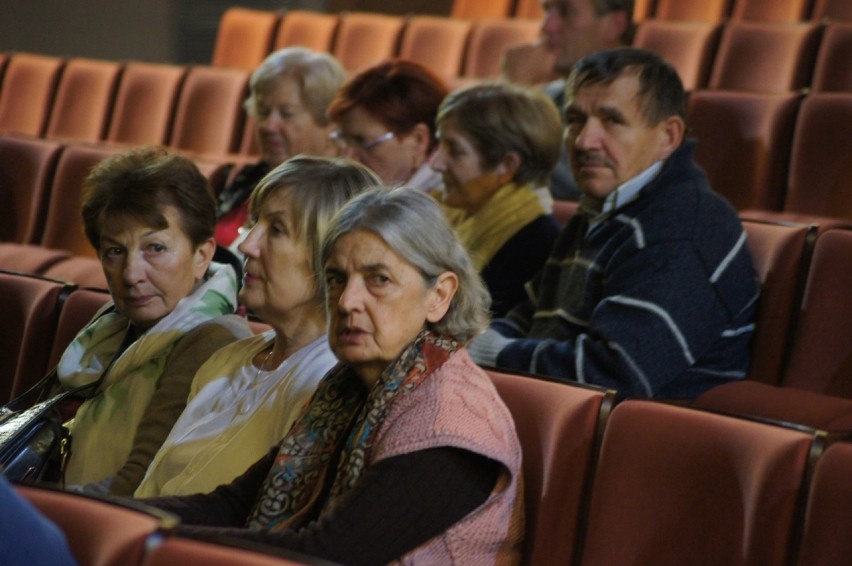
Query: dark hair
{"points": [[661, 92], [398, 93], [139, 183], [605, 6]]}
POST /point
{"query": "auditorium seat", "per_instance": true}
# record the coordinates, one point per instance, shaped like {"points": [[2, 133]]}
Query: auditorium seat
{"points": [[176, 551], [821, 351], [78, 310], [314, 30], [209, 117], [84, 99], [780, 254], [82, 271], [712, 11], [820, 177], [145, 103], [100, 532], [29, 258], [364, 39], [244, 37], [833, 69], [559, 427], [30, 307], [765, 57], [828, 522], [26, 96], [532, 10], [688, 46], [744, 144], [832, 10], [489, 38], [474, 9], [675, 485], [771, 10], [27, 166], [437, 43], [4, 58]]}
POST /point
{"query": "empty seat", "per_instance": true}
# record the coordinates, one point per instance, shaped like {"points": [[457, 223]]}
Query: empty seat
{"points": [[29, 258], [30, 307], [100, 532], [744, 144], [532, 10], [676, 485], [364, 39], [821, 352], [244, 37], [713, 11], [176, 551], [833, 70], [832, 10], [314, 30], [688, 46], [210, 115], [27, 166], [472, 9], [559, 426], [765, 57], [78, 310], [780, 253], [820, 177], [145, 103], [84, 99], [29, 84], [82, 271], [826, 539], [437, 43], [489, 38], [771, 10]]}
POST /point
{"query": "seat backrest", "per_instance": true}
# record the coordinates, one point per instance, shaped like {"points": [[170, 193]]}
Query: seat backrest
{"points": [[31, 306], [100, 532], [77, 311], [29, 258], [314, 30], [825, 539], [244, 37], [780, 253], [688, 46], [364, 39], [28, 88], [832, 10], [558, 426], [176, 551], [145, 103], [84, 99], [82, 271], [821, 352], [744, 144], [765, 57], [489, 38], [771, 10], [472, 9], [833, 70], [27, 166], [820, 177], [713, 11], [676, 485], [63, 228], [435, 42], [210, 115], [532, 10]]}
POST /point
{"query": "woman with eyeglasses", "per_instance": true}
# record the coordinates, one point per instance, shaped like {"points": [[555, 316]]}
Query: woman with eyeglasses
{"points": [[386, 116]]}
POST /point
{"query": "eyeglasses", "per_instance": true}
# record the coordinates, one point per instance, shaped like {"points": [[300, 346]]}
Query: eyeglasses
{"points": [[343, 141]]}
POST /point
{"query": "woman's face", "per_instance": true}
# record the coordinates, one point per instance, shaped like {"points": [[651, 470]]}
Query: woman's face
{"points": [[279, 284], [394, 159], [468, 185], [377, 302], [284, 126], [149, 270]]}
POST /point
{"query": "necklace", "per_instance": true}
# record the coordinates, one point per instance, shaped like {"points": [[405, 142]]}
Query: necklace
{"points": [[264, 363]]}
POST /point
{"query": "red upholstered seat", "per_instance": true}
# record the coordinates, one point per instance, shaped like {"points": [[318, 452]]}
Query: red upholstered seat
{"points": [[314, 30], [472, 9], [714, 11], [77, 310], [437, 43], [26, 96], [833, 70], [244, 37], [364, 39], [688, 46], [771, 10], [489, 38]]}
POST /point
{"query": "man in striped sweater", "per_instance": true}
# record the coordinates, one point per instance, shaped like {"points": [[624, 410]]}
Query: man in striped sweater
{"points": [[650, 289]]}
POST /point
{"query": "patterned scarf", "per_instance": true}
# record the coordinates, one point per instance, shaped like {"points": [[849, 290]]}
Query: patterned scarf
{"points": [[341, 417]]}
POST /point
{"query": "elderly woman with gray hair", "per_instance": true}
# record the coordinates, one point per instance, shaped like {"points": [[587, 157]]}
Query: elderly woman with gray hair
{"points": [[405, 452]]}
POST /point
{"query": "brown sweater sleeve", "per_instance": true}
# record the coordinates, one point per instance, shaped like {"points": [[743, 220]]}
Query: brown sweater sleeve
{"points": [[169, 398]]}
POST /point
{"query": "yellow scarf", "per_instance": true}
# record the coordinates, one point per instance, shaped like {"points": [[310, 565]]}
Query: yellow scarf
{"points": [[483, 234]]}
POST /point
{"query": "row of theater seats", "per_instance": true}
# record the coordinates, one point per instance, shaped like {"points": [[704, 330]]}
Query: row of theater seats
{"points": [[638, 482], [695, 10]]}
